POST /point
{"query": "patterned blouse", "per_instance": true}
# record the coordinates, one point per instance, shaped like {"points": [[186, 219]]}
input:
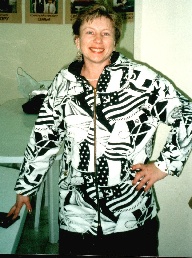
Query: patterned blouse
{"points": [[102, 133]]}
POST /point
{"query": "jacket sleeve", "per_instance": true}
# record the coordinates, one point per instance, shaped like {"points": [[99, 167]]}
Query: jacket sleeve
{"points": [[175, 110], [45, 141]]}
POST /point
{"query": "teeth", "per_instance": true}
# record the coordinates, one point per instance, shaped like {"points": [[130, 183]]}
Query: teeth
{"points": [[97, 50]]}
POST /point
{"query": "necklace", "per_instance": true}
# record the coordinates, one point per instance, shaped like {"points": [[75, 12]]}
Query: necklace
{"points": [[91, 80]]}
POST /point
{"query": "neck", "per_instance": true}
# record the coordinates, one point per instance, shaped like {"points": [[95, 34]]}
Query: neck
{"points": [[91, 73]]}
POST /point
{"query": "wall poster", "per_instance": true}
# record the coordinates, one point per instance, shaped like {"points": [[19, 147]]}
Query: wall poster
{"points": [[44, 11], [10, 11], [126, 7]]}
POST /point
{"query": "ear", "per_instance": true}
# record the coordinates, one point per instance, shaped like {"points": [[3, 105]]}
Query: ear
{"points": [[114, 47], [77, 42]]}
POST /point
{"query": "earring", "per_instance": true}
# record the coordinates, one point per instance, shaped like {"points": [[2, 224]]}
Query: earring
{"points": [[79, 56]]}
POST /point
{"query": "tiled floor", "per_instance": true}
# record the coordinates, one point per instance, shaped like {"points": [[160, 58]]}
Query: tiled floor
{"points": [[33, 242]]}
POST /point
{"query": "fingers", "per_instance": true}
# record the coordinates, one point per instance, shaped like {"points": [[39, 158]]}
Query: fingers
{"points": [[145, 183], [29, 207], [20, 201], [12, 210], [146, 176], [141, 181], [17, 211]]}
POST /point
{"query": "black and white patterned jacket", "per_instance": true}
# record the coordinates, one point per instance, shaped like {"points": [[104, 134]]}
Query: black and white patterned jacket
{"points": [[131, 102]]}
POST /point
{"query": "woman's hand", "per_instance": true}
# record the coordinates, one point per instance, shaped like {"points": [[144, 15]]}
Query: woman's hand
{"points": [[147, 175], [20, 201]]}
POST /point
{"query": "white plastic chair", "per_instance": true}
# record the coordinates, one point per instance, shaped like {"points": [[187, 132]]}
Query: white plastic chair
{"points": [[43, 188]]}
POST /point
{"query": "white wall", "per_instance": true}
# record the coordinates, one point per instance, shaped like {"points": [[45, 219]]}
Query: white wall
{"points": [[163, 40], [41, 50]]}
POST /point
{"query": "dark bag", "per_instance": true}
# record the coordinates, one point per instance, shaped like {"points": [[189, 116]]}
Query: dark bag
{"points": [[34, 104], [5, 221]]}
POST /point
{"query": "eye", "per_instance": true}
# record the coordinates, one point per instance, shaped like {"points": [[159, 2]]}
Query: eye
{"points": [[89, 32], [106, 34]]}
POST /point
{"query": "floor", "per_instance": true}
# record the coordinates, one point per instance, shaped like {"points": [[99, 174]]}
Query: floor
{"points": [[36, 242]]}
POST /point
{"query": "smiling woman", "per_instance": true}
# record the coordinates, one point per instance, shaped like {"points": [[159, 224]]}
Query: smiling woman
{"points": [[96, 35], [96, 12], [96, 42], [103, 111]]}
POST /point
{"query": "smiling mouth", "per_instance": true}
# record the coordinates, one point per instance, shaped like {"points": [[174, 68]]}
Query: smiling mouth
{"points": [[97, 50]]}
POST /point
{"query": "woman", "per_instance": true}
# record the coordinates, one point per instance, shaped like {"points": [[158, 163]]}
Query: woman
{"points": [[106, 109]]}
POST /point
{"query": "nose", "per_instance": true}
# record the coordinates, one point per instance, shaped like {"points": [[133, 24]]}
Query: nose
{"points": [[98, 38]]}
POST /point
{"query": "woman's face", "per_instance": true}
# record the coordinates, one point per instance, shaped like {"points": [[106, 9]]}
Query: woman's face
{"points": [[96, 40]]}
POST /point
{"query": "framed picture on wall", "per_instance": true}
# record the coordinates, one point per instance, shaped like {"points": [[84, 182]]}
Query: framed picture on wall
{"points": [[10, 11], [126, 7], [44, 11], [73, 6]]}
